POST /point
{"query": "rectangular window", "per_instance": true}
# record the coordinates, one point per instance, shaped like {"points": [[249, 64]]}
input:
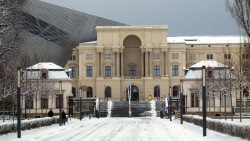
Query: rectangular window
{"points": [[89, 56], [245, 70], [157, 70], [73, 72], [29, 102], [192, 56], [175, 70], [44, 103], [59, 97], [210, 56], [156, 55], [245, 56], [227, 56], [107, 56], [132, 71], [73, 58], [89, 71], [107, 71], [175, 55], [194, 100]]}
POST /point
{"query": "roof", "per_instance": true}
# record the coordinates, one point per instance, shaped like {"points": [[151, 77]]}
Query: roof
{"points": [[54, 71], [208, 63], [45, 65], [195, 71], [208, 39]]}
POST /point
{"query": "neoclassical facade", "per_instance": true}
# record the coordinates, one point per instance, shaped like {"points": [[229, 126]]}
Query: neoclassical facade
{"points": [[143, 57]]}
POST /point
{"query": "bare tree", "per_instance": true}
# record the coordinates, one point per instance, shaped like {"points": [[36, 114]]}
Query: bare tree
{"points": [[11, 25]]}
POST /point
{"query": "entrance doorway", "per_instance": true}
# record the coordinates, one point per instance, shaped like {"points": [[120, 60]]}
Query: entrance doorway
{"points": [[134, 93]]}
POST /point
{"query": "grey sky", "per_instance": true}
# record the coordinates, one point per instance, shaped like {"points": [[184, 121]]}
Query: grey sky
{"points": [[183, 17]]}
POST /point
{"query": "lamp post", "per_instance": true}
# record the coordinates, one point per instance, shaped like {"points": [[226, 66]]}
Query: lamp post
{"points": [[230, 88], [181, 95], [60, 103], [70, 104], [204, 100], [18, 102], [129, 101], [170, 103], [80, 104], [158, 92]]}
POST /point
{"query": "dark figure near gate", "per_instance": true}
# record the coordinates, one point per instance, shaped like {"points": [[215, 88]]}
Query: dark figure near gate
{"points": [[63, 117], [50, 113]]}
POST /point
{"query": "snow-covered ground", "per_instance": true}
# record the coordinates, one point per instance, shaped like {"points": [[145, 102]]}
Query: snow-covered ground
{"points": [[120, 129]]}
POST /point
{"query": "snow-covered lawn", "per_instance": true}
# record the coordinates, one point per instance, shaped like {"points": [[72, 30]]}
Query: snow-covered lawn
{"points": [[120, 129]]}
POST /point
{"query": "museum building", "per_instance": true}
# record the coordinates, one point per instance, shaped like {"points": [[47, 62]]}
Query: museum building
{"points": [[143, 57]]}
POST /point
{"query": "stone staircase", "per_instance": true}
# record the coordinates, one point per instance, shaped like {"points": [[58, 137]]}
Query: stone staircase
{"points": [[138, 108], [103, 109], [159, 106]]}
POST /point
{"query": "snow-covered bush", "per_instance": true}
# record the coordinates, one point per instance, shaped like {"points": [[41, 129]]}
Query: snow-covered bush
{"points": [[230, 128], [27, 124]]}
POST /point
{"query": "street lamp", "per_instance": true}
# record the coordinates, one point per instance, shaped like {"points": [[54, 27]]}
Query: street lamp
{"points": [[70, 104], [181, 94], [18, 102], [204, 100], [60, 103]]}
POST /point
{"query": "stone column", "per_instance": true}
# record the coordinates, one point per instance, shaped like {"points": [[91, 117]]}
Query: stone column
{"points": [[113, 64], [97, 63], [162, 63], [150, 64], [122, 64], [117, 64], [146, 63], [102, 65], [166, 63], [142, 63]]}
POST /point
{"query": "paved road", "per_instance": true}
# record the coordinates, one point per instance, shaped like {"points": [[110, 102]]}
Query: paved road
{"points": [[120, 129]]}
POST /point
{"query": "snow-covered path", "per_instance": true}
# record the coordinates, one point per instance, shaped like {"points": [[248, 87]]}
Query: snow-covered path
{"points": [[120, 129]]}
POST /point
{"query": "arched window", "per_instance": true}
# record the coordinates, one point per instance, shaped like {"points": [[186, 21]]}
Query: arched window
{"points": [[89, 92], [107, 91], [175, 91], [157, 92]]}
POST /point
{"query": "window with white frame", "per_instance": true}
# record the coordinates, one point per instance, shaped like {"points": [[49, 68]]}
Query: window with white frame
{"points": [[227, 56], [245, 56], [89, 56], [73, 57], [175, 55], [191, 56], [210, 56]]}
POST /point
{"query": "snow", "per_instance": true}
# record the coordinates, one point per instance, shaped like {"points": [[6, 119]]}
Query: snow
{"points": [[208, 39], [120, 129], [209, 63], [45, 65]]}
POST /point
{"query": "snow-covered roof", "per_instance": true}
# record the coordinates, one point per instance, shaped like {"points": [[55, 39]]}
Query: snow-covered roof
{"points": [[195, 71], [208, 39], [208, 63], [91, 42], [45, 65], [54, 71]]}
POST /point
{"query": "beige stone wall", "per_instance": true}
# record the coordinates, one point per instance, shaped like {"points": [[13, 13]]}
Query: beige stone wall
{"points": [[136, 46]]}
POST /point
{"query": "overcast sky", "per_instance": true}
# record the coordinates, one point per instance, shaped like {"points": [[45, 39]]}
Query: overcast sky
{"points": [[183, 17]]}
